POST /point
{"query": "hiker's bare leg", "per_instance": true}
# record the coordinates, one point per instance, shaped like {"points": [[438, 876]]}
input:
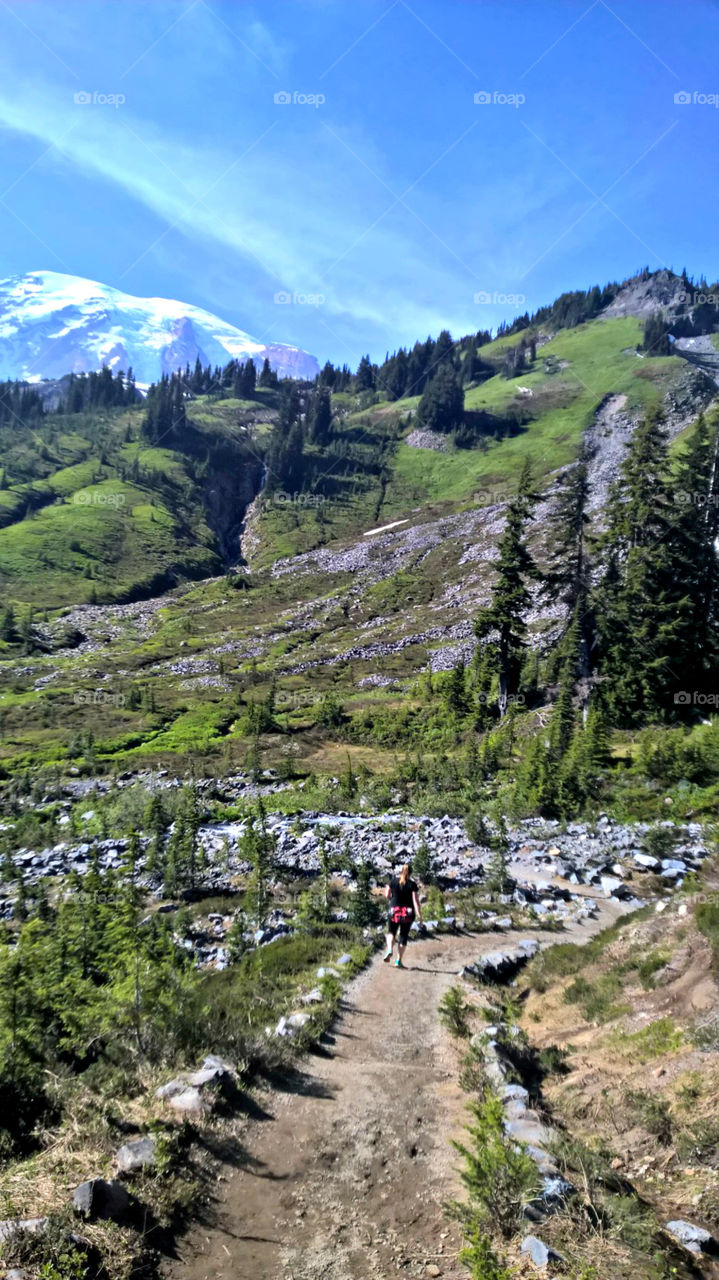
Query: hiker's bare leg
{"points": [[401, 949], [390, 942]]}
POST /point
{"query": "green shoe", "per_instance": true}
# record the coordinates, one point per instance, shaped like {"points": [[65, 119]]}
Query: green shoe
{"points": [[387, 956], [398, 964]]}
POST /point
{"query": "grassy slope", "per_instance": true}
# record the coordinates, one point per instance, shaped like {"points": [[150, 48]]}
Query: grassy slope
{"points": [[230, 641], [95, 513]]}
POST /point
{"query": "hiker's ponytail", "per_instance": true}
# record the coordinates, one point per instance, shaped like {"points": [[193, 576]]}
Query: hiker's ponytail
{"points": [[404, 874]]}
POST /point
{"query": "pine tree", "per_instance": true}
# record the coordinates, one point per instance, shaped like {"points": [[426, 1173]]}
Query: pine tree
{"points": [[365, 376], [362, 908], [441, 407], [566, 579], [422, 863], [268, 377], [505, 616], [156, 826], [693, 551], [321, 416], [641, 606], [8, 631], [257, 846]]}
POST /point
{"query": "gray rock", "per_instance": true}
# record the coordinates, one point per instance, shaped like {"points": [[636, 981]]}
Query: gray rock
{"points": [[13, 1226], [695, 1239], [646, 860], [136, 1155], [502, 966], [344, 959], [313, 997], [170, 1089], [191, 1102], [100, 1199], [289, 1026], [539, 1252]]}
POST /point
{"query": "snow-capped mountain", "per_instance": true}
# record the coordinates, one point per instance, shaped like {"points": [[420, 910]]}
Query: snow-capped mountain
{"points": [[52, 324]]}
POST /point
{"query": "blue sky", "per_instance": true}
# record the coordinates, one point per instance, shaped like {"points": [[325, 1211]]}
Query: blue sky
{"points": [[395, 200]]}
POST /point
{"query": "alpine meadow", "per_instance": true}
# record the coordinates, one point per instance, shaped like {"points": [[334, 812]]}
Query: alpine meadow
{"points": [[305, 655]]}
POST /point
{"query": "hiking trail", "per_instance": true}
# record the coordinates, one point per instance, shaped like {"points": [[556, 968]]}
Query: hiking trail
{"points": [[345, 1175]]}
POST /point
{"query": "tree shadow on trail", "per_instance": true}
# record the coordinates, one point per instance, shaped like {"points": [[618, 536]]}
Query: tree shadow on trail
{"points": [[420, 968], [300, 1083]]}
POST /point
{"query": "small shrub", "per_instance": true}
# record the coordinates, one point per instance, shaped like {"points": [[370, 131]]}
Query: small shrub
{"points": [[596, 998], [654, 1114], [650, 965], [472, 1076], [660, 842], [654, 1041], [499, 1175], [707, 919], [434, 907], [454, 1011], [479, 1258]]}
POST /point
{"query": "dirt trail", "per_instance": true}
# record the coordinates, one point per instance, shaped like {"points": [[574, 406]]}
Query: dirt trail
{"points": [[346, 1176]]}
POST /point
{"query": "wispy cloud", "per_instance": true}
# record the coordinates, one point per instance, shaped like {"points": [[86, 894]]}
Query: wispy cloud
{"points": [[237, 197]]}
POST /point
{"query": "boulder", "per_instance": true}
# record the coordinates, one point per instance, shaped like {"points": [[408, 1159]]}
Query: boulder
{"points": [[344, 959], [313, 997], [646, 861], [191, 1102], [538, 1252], [137, 1155], [100, 1199], [502, 966], [172, 1087], [695, 1239]]}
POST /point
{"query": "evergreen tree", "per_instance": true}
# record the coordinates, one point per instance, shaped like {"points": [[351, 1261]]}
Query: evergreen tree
{"points": [[365, 376], [566, 579], [642, 608], [362, 908], [320, 419], [505, 616], [268, 377], [257, 846], [441, 407]]}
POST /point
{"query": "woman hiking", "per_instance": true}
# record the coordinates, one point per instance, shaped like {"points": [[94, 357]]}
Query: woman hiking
{"points": [[404, 906]]}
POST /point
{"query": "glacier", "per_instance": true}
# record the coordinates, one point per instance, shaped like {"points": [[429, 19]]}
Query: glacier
{"points": [[52, 323]]}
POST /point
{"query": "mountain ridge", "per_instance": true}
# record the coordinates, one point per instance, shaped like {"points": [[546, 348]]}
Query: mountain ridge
{"points": [[53, 323]]}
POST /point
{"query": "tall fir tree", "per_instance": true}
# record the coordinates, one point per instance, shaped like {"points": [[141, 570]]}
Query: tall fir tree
{"points": [[505, 617]]}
